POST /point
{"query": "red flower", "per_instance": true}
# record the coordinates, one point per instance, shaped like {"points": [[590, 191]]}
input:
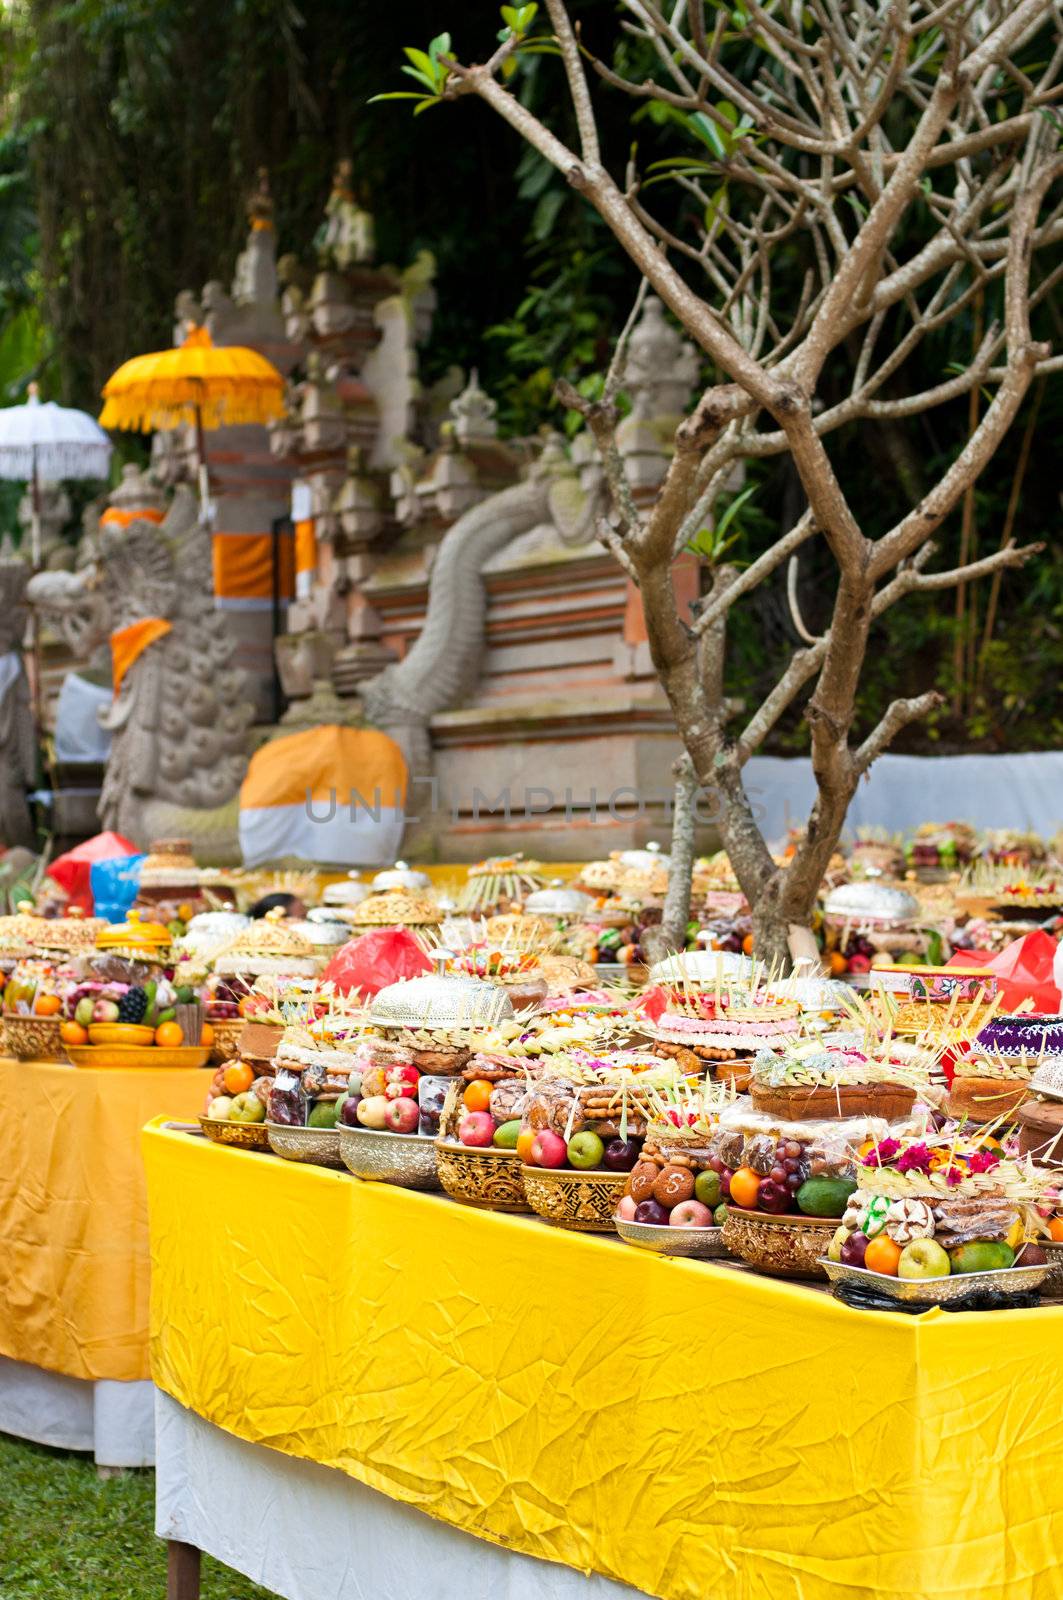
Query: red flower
{"points": [[983, 1161], [953, 1176], [915, 1159]]}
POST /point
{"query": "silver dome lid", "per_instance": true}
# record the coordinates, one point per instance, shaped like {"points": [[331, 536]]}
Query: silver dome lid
{"points": [[645, 860], [210, 930], [322, 935], [350, 892], [701, 966], [557, 901], [437, 1001], [400, 876], [813, 993], [870, 902]]}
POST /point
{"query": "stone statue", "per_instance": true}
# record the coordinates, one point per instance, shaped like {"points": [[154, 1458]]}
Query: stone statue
{"points": [[255, 277], [18, 737], [179, 721], [56, 553], [347, 237], [187, 314]]}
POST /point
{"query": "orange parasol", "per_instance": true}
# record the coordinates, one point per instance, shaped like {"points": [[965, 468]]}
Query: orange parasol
{"points": [[211, 386]]}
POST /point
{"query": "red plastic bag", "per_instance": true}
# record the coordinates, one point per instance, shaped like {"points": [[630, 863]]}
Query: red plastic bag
{"points": [[371, 962], [72, 870], [1023, 969]]}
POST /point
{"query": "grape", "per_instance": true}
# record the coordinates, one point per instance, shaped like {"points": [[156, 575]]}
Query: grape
{"points": [[793, 1149], [715, 1163], [777, 1175], [725, 1182]]}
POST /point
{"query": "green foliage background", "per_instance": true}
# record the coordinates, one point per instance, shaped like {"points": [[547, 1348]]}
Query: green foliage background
{"points": [[130, 133]]}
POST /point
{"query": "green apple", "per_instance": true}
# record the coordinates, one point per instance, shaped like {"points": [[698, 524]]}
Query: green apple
{"points": [[707, 1189], [247, 1107], [323, 1115], [982, 1255], [83, 1011], [506, 1135], [838, 1238], [585, 1150], [220, 1108], [923, 1258]]}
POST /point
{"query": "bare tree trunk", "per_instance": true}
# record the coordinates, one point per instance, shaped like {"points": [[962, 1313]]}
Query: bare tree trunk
{"points": [[670, 935]]}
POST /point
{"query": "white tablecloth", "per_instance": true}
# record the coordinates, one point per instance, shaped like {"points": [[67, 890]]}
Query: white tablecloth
{"points": [[1019, 791], [114, 1422], [311, 1533]]}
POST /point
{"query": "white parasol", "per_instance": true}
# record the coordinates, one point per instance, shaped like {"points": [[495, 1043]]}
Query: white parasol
{"points": [[50, 442]]}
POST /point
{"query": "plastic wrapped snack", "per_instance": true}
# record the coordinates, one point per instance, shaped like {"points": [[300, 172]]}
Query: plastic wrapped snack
{"points": [[287, 1103]]}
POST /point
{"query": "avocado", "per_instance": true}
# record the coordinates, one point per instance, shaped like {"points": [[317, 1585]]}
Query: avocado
{"points": [[825, 1197], [982, 1255]]}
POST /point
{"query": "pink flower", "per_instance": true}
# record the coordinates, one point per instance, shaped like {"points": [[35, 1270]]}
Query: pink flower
{"points": [[983, 1161], [953, 1176], [915, 1159], [882, 1152]]}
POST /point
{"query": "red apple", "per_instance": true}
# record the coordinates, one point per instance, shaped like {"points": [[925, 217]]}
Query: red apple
{"points": [[548, 1149], [626, 1209], [402, 1115], [477, 1128], [372, 1111], [690, 1214], [651, 1211]]}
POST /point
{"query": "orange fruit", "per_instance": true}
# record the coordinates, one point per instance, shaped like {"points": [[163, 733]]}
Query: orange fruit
{"points": [[47, 1005], [169, 1034], [207, 1035], [525, 1140], [837, 963], [1055, 1228], [882, 1255], [73, 1033], [747, 945], [477, 1096], [745, 1186], [237, 1077]]}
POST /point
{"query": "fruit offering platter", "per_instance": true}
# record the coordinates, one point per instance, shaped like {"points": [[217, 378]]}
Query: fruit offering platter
{"points": [[263, 958], [673, 1198], [511, 955], [723, 1027], [785, 1152], [938, 1218], [105, 1018], [500, 883], [868, 924], [940, 847], [935, 1003], [583, 1124]]}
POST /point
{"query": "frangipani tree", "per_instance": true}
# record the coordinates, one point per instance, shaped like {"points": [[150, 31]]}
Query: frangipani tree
{"points": [[905, 153]]}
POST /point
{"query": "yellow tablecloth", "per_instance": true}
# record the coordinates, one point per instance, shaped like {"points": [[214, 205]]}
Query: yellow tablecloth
{"points": [[73, 1212], [687, 1428]]}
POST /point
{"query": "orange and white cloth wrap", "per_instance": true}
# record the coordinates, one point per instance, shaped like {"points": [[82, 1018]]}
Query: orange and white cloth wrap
{"points": [[305, 539], [330, 794], [244, 570], [127, 644]]}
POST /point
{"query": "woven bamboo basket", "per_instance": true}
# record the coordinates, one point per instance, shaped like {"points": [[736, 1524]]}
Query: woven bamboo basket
{"points": [[582, 1201], [782, 1247], [488, 1178], [240, 1135], [33, 1038]]}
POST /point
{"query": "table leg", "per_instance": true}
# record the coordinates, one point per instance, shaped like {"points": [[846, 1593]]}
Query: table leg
{"points": [[182, 1571]]}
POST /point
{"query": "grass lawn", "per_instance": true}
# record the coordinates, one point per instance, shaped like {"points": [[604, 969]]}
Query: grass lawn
{"points": [[65, 1535]]}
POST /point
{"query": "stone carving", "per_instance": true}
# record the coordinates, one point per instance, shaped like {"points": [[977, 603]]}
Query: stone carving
{"points": [[179, 721], [18, 739], [442, 666], [347, 237]]}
